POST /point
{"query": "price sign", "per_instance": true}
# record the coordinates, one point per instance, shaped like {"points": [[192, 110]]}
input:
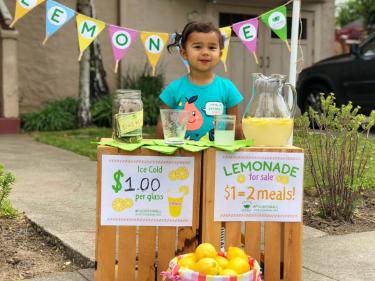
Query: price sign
{"points": [[147, 190], [259, 186]]}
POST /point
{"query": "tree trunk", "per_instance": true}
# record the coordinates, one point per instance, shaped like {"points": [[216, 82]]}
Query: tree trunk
{"points": [[84, 115]]}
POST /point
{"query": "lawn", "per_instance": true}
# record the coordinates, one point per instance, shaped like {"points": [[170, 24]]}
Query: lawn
{"points": [[82, 141]]}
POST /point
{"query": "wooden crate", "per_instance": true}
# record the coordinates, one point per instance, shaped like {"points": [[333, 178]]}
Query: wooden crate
{"points": [[282, 241], [116, 258]]}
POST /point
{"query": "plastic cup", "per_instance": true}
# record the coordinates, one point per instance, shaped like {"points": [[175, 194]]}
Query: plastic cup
{"points": [[225, 126], [174, 125]]}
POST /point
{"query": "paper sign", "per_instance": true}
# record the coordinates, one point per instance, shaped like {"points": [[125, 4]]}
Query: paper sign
{"points": [[121, 40], [154, 44], [23, 7], [226, 32], [259, 186], [247, 31], [88, 29], [147, 190], [57, 15]]}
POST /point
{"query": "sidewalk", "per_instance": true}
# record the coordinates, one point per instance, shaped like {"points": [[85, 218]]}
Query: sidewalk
{"points": [[57, 190]]}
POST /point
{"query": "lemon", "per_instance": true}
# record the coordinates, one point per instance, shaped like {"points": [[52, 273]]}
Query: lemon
{"points": [[208, 266], [241, 178], [187, 261], [223, 262], [235, 252], [120, 204], [239, 265], [205, 250], [184, 189], [228, 272]]}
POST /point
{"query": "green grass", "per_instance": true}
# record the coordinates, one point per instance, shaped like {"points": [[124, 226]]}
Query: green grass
{"points": [[80, 141]]}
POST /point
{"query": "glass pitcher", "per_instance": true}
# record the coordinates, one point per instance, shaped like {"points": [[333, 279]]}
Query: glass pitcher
{"points": [[268, 118]]}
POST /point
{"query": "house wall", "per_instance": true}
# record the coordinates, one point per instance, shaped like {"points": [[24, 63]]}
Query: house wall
{"points": [[51, 72]]}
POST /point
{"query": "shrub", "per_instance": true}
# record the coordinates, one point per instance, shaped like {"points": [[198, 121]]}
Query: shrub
{"points": [[101, 112], [6, 181], [55, 116], [151, 87], [337, 152]]}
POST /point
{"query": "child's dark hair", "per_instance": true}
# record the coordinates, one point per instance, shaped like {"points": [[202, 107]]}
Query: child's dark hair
{"points": [[205, 27]]}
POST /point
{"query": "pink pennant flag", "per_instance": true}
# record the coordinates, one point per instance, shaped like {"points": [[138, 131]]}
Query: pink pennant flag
{"points": [[121, 40], [247, 31]]}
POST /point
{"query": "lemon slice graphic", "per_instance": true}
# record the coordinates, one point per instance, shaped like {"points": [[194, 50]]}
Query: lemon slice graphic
{"points": [[182, 173], [184, 189], [120, 204], [241, 178], [172, 175]]}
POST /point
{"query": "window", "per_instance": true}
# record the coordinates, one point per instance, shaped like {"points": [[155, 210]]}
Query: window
{"points": [[368, 50]]}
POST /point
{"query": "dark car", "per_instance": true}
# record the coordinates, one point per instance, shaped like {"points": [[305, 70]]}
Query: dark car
{"points": [[351, 77]]}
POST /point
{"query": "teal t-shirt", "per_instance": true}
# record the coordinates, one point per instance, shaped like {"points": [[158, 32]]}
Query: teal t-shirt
{"points": [[203, 102]]}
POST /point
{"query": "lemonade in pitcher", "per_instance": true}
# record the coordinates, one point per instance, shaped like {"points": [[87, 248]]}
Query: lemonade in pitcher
{"points": [[268, 118]]}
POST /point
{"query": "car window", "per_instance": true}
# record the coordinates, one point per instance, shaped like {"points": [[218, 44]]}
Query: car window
{"points": [[368, 50]]}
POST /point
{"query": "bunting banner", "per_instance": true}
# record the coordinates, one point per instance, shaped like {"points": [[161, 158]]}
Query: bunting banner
{"points": [[226, 32], [57, 15], [23, 7], [276, 20], [247, 31], [154, 43], [88, 29], [121, 40]]}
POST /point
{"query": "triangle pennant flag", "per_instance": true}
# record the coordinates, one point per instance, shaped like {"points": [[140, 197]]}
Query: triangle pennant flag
{"points": [[247, 31], [23, 7], [57, 15], [226, 32], [276, 20], [121, 40], [154, 43], [88, 29]]}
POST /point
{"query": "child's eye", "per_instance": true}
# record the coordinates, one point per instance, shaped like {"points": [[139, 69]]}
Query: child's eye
{"points": [[213, 48]]}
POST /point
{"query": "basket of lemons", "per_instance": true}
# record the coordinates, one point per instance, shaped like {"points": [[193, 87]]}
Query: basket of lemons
{"points": [[208, 264]]}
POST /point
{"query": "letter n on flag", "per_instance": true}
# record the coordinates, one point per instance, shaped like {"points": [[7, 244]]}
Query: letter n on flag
{"points": [[154, 44], [121, 40]]}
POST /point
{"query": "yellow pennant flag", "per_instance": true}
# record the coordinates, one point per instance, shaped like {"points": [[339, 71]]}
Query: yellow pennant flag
{"points": [[154, 44], [226, 32], [88, 29], [23, 7]]}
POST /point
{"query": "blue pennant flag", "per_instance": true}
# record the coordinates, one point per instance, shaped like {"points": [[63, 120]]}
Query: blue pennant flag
{"points": [[56, 16]]}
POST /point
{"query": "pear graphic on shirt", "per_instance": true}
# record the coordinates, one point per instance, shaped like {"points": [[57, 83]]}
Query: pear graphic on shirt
{"points": [[196, 118]]}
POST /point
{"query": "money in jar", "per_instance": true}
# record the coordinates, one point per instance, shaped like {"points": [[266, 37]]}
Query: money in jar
{"points": [[127, 112]]}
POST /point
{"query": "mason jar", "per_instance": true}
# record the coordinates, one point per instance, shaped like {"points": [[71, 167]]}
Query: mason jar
{"points": [[127, 116]]}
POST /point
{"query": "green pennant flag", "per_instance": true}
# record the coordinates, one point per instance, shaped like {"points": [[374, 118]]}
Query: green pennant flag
{"points": [[276, 20]]}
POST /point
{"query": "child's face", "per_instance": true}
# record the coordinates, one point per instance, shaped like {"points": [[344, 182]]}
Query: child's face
{"points": [[202, 51]]}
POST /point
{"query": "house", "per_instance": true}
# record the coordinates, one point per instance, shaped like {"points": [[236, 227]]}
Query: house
{"points": [[51, 72]]}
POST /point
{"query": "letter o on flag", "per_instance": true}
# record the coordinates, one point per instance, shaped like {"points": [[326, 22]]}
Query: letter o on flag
{"points": [[121, 39]]}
